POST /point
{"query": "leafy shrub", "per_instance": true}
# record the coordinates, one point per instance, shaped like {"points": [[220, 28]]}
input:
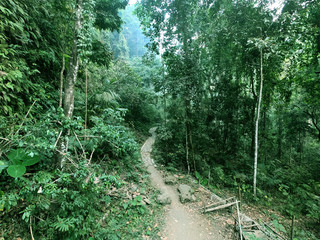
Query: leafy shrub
{"points": [[19, 158], [61, 205]]}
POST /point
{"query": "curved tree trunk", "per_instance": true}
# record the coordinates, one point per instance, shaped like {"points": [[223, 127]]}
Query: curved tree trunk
{"points": [[257, 127]]}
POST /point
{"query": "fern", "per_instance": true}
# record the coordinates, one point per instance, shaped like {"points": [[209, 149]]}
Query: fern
{"points": [[64, 224]]}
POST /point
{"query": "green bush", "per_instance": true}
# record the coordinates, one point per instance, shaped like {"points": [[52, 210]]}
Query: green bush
{"points": [[61, 205]]}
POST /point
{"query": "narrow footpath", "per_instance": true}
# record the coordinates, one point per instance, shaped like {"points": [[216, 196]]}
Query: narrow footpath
{"points": [[181, 223]]}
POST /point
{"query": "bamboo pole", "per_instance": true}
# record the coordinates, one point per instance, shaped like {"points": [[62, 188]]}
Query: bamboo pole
{"points": [[220, 207], [239, 221]]}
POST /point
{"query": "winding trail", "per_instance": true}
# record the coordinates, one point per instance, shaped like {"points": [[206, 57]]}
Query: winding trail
{"points": [[181, 223]]}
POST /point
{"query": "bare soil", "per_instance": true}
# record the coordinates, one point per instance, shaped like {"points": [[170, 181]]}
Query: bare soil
{"points": [[185, 221]]}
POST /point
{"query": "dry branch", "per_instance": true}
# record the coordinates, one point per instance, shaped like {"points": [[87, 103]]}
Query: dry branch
{"points": [[220, 202], [221, 207], [31, 230], [57, 139], [83, 151], [25, 117], [64, 155], [89, 162]]}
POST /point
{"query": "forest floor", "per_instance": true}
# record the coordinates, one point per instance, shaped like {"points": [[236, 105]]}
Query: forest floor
{"points": [[185, 221]]}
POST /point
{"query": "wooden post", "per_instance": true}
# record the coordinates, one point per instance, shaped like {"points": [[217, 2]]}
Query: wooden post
{"points": [[239, 195], [292, 228], [239, 221]]}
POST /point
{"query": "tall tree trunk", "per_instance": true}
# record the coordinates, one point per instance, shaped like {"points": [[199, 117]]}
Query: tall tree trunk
{"points": [[257, 127], [187, 129], [252, 122], [72, 75], [71, 79], [164, 97]]}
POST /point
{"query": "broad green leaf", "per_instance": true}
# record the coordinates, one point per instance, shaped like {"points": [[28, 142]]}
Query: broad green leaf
{"points": [[29, 161], [17, 155], [197, 174], [20, 157], [16, 170]]}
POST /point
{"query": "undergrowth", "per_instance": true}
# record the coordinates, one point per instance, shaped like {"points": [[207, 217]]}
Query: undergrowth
{"points": [[289, 191], [91, 197]]}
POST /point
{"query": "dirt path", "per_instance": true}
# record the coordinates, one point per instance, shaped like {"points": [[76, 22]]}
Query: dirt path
{"points": [[182, 223]]}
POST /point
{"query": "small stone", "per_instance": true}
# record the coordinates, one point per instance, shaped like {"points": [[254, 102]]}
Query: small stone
{"points": [[170, 180], [164, 199], [185, 193]]}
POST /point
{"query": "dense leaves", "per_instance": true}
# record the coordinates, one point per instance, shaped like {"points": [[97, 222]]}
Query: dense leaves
{"points": [[62, 163], [215, 54]]}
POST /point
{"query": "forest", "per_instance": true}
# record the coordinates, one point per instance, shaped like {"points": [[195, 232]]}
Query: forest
{"points": [[233, 87]]}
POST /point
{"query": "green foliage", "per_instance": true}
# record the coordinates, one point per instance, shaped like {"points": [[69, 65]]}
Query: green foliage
{"points": [[278, 226], [137, 99], [114, 140], [20, 159], [210, 89], [74, 202], [16, 170], [107, 13], [65, 203]]}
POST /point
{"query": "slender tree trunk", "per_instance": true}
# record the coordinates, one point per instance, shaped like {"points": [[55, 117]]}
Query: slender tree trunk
{"points": [[187, 134], [61, 79], [72, 75], [71, 79], [257, 127], [86, 110], [253, 111], [164, 98], [279, 138], [187, 150]]}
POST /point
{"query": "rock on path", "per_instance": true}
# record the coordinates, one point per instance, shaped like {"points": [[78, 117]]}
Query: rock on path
{"points": [[181, 223]]}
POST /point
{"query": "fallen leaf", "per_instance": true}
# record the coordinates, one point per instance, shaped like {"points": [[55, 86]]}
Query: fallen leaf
{"points": [[230, 221]]}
